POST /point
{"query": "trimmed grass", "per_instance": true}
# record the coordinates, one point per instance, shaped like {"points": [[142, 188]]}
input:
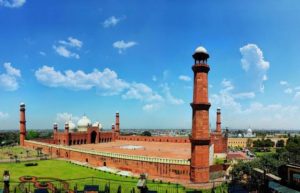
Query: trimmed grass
{"points": [[68, 171], [71, 172]]}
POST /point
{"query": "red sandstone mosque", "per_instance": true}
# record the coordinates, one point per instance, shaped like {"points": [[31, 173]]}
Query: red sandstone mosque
{"points": [[179, 158]]}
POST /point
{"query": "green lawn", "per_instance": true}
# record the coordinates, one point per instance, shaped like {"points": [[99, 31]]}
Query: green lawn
{"points": [[68, 171]]}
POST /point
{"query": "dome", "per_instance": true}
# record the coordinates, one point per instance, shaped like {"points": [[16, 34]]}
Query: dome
{"points": [[201, 49], [249, 131], [72, 126], [239, 135], [83, 123], [97, 124]]}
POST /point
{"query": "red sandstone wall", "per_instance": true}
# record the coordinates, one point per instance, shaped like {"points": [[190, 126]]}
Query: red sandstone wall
{"points": [[82, 137], [153, 169], [155, 138], [219, 141]]}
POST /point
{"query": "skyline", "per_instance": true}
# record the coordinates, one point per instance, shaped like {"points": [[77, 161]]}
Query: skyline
{"points": [[72, 59]]}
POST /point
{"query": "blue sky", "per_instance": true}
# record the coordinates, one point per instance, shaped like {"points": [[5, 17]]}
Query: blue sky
{"points": [[69, 58]]}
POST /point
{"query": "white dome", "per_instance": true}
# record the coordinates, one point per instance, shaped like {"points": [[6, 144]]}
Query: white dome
{"points": [[72, 126], [201, 49], [97, 124], [249, 131], [83, 123]]}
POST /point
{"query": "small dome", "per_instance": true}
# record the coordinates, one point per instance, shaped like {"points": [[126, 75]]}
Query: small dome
{"points": [[239, 135], [72, 126], [201, 49], [83, 123]]}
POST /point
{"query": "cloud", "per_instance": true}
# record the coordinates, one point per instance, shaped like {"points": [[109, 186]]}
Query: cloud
{"points": [[297, 96], [141, 92], [63, 51], [107, 81], [9, 79], [62, 118], [184, 78], [226, 99], [12, 3], [3, 115], [169, 98], [151, 107], [154, 79], [72, 42], [253, 62], [227, 85], [244, 95], [112, 21], [122, 45], [288, 91], [42, 53], [66, 48], [283, 83]]}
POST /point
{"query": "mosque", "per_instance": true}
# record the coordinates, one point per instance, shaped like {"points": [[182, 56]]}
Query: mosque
{"points": [[178, 158]]}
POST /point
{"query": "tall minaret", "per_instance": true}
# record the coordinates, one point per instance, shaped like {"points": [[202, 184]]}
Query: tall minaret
{"points": [[22, 124], [117, 126], [218, 122], [200, 138], [67, 136]]}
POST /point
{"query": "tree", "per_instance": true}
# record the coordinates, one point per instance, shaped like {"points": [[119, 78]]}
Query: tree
{"points": [[280, 143], [32, 134], [146, 133]]}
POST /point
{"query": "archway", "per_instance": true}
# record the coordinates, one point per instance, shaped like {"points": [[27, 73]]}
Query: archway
{"points": [[93, 136]]}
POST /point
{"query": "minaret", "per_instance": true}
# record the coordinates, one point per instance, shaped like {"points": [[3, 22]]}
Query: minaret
{"points": [[200, 138], [22, 124], [55, 132], [218, 122], [55, 128], [67, 138], [112, 127], [117, 127]]}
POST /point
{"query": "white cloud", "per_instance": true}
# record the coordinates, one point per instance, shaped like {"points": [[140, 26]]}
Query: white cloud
{"points": [[9, 79], [227, 85], [11, 70], [122, 45], [72, 42], [111, 21], [65, 47], [3, 115], [253, 62], [42, 53], [154, 79], [283, 83], [64, 117], [288, 91], [244, 95], [12, 3], [141, 92], [107, 81], [151, 107], [169, 98], [297, 96], [63, 51], [184, 78]]}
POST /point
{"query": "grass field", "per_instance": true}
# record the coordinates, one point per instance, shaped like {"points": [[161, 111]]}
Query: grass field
{"points": [[68, 171]]}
